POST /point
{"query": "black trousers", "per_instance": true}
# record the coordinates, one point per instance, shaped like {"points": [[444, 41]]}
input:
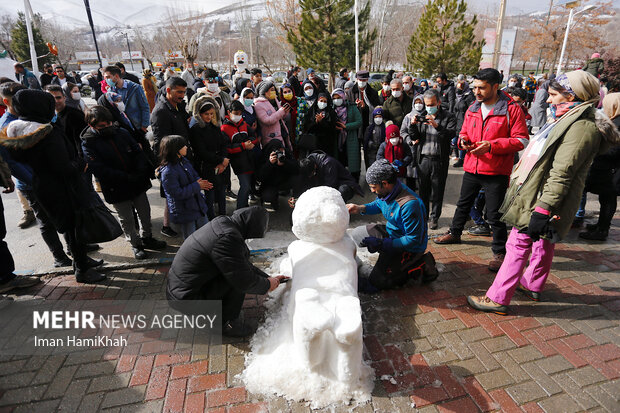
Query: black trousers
{"points": [[395, 269], [495, 187], [609, 203], [270, 191], [7, 265], [46, 226], [432, 175], [232, 300]]}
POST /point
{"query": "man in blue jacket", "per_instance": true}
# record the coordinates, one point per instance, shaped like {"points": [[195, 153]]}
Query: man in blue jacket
{"points": [[136, 106], [402, 242]]}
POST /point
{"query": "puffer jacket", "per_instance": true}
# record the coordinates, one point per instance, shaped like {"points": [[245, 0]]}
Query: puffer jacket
{"points": [[184, 197], [241, 159], [556, 181], [271, 121], [118, 163], [504, 128]]}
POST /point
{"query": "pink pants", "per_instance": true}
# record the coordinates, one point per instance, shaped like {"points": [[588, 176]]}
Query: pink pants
{"points": [[518, 248]]}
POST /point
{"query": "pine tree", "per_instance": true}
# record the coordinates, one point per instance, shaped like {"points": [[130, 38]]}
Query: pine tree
{"points": [[444, 40], [20, 45], [325, 38]]}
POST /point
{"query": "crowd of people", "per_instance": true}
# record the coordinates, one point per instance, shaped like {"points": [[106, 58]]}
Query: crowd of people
{"points": [[280, 140]]}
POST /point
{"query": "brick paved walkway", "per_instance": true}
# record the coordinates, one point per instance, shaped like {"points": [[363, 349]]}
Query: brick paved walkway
{"points": [[433, 352]]}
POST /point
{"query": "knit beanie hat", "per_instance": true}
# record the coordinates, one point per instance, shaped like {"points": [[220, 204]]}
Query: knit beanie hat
{"points": [[380, 170]]}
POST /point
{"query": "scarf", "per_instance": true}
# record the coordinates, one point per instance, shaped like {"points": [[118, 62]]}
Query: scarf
{"points": [[392, 195], [395, 152], [560, 109]]}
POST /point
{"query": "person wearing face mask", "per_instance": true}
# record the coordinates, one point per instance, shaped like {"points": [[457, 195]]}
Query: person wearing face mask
{"points": [[513, 81], [348, 124], [409, 86], [69, 119], [398, 104], [447, 92], [423, 86], [321, 122], [395, 151], [270, 114], [366, 99], [374, 137], [295, 119], [310, 93], [123, 171], [212, 89], [47, 75], [385, 91], [546, 187], [316, 81], [433, 134], [73, 96], [136, 106], [418, 110]]}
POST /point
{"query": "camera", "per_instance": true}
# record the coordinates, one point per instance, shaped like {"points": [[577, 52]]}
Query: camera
{"points": [[281, 157], [420, 118]]}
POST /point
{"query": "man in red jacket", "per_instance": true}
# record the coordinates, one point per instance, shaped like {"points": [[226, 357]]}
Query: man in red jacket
{"points": [[493, 130]]}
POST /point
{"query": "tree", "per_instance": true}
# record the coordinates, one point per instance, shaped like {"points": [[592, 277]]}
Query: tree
{"points": [[7, 23], [20, 44], [325, 38], [445, 41]]}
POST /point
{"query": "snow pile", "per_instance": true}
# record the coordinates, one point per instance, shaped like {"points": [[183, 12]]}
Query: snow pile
{"points": [[310, 345]]}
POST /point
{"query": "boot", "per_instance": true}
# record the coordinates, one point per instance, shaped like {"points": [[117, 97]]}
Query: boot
{"points": [[151, 243], [89, 276], [27, 220], [595, 235], [236, 328], [430, 273], [448, 238]]}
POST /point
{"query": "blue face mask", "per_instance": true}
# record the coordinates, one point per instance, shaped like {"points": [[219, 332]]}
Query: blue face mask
{"points": [[432, 109], [110, 82], [248, 102]]}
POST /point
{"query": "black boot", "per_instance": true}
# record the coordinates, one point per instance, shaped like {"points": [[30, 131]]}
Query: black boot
{"points": [[89, 276]]}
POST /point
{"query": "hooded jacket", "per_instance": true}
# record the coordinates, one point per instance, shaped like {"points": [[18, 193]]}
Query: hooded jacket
{"points": [[117, 162], [57, 167], [241, 159], [557, 179], [370, 143], [209, 145], [215, 258], [448, 96], [400, 152], [330, 173], [504, 128], [184, 197], [270, 120], [594, 66]]}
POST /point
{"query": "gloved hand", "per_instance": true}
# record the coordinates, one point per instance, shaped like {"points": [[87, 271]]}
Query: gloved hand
{"points": [[539, 225], [372, 243], [397, 163], [386, 245]]}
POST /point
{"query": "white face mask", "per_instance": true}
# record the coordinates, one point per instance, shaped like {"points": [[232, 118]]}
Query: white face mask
{"points": [[337, 102], [76, 95], [419, 107], [512, 84], [361, 83], [386, 88], [235, 118], [406, 86], [308, 92], [394, 141], [396, 93], [213, 87], [120, 106], [378, 120], [322, 105]]}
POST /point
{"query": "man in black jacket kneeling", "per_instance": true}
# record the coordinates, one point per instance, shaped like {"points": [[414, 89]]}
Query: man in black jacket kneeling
{"points": [[214, 264]]}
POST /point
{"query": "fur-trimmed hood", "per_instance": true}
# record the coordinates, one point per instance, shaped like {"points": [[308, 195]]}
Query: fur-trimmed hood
{"points": [[607, 128], [196, 110], [23, 134]]}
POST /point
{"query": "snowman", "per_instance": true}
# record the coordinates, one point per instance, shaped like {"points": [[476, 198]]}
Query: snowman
{"points": [[315, 338], [241, 66]]}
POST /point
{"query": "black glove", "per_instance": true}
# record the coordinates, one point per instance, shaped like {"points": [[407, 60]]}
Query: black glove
{"points": [[372, 243], [539, 225]]}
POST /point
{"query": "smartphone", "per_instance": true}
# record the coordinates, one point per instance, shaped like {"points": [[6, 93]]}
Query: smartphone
{"points": [[285, 280]]}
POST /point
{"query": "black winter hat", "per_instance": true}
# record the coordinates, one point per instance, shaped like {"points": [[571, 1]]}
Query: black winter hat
{"points": [[34, 105]]}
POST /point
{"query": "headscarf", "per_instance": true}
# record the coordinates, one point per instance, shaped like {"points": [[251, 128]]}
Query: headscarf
{"points": [[422, 88], [380, 170], [582, 85], [263, 87], [314, 96], [244, 91], [341, 113], [611, 105], [108, 101], [349, 84], [74, 103]]}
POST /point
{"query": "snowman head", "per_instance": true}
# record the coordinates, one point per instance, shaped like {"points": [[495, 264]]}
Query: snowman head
{"points": [[320, 216], [240, 59]]}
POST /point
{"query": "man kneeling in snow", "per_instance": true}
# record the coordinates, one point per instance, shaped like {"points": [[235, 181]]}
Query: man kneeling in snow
{"points": [[402, 242], [214, 264]]}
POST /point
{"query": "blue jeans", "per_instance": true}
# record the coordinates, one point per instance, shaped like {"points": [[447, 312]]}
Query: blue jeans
{"points": [[581, 212], [477, 211], [189, 228], [245, 186]]}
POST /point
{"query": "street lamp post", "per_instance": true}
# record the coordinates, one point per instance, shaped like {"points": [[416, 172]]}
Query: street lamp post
{"points": [[571, 16], [357, 41], [128, 48]]}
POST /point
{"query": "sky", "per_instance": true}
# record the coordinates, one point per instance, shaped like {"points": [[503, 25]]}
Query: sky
{"points": [[137, 11]]}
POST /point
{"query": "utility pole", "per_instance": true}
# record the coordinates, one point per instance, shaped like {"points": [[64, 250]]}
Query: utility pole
{"points": [[92, 28], [33, 53], [546, 24], [128, 49], [498, 34], [357, 40]]}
